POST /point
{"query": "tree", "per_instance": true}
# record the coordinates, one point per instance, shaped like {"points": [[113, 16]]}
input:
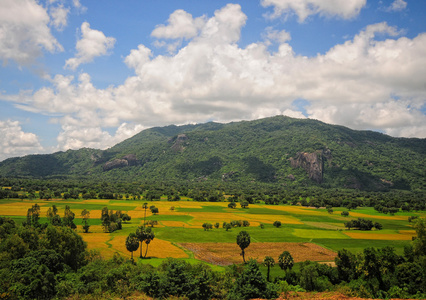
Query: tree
{"points": [[68, 218], [345, 213], [85, 215], [243, 240], [251, 284], [132, 243], [269, 262], [277, 224], [53, 217], [232, 205], [126, 218], [67, 243], [346, 265], [141, 235], [154, 210], [207, 226], [145, 207], [378, 226], [33, 215], [105, 219], [285, 261], [149, 237], [244, 204], [419, 243]]}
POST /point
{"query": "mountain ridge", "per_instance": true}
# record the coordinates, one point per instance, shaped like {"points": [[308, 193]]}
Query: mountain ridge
{"points": [[276, 150]]}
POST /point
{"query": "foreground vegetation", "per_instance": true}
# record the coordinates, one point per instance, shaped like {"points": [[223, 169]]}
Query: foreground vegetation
{"points": [[42, 261]]}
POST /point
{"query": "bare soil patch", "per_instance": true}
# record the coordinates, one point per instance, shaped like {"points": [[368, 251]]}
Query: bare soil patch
{"points": [[321, 296], [224, 254]]}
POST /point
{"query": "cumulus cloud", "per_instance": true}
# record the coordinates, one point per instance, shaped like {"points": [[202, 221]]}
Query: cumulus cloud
{"points": [[374, 81], [180, 25], [25, 32], [75, 137], [93, 43], [15, 142], [304, 8], [397, 5]]}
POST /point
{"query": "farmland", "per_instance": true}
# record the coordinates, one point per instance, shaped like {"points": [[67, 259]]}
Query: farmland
{"points": [[179, 231]]}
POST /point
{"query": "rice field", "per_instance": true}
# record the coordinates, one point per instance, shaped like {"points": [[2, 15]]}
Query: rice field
{"points": [[179, 233]]}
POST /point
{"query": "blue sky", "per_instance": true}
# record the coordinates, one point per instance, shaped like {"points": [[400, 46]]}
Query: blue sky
{"points": [[79, 73]]}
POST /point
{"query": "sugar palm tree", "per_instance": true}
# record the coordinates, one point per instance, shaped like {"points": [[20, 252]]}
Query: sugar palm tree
{"points": [[132, 243], [269, 262]]}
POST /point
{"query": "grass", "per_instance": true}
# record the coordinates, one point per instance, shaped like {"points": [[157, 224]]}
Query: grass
{"points": [[183, 225]]}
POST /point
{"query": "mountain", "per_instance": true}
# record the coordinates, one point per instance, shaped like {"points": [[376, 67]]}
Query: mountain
{"points": [[276, 150]]}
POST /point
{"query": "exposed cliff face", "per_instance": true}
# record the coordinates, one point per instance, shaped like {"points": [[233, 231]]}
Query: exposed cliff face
{"points": [[313, 164], [179, 142], [128, 160]]}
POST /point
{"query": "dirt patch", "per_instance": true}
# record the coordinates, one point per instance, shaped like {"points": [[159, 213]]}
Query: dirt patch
{"points": [[224, 254], [320, 296]]}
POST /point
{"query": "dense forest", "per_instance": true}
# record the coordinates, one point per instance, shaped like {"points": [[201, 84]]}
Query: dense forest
{"points": [[279, 151], [390, 201]]}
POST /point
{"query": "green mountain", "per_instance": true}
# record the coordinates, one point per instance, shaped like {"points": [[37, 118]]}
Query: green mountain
{"points": [[276, 150]]}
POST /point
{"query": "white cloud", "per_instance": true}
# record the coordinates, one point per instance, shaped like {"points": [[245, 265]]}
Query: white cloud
{"points": [[397, 5], [364, 83], [24, 31], [15, 142], [78, 6], [180, 25], [59, 16], [93, 43], [304, 8], [293, 114], [280, 37], [76, 137]]}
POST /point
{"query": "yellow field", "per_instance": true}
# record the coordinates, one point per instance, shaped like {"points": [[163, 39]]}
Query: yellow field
{"points": [[109, 243], [174, 224], [378, 236], [385, 217], [297, 209]]}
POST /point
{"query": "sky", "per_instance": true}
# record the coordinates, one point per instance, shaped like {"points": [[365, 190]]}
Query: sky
{"points": [[90, 73]]}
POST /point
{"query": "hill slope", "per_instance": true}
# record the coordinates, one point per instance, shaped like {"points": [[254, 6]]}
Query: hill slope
{"points": [[278, 150]]}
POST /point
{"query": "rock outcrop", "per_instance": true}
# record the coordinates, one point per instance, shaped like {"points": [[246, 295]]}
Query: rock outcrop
{"points": [[179, 142], [128, 160], [313, 164]]}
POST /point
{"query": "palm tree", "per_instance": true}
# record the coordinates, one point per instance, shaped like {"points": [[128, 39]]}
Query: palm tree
{"points": [[149, 236], [243, 240], [285, 260], [269, 262], [141, 235], [144, 206], [132, 243]]}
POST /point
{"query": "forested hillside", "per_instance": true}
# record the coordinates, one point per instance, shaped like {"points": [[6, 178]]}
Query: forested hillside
{"points": [[278, 150]]}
